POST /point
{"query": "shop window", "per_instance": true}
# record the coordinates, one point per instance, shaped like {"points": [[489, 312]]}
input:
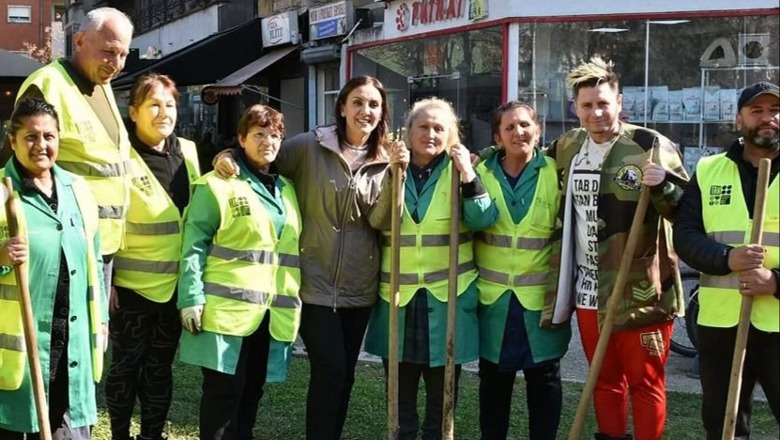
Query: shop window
{"points": [[464, 68], [680, 77], [19, 14], [327, 91]]}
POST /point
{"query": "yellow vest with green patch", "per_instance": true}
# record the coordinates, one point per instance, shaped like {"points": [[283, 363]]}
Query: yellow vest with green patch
{"points": [[87, 150], [248, 269], [517, 256], [13, 353], [149, 264], [727, 220], [425, 250]]}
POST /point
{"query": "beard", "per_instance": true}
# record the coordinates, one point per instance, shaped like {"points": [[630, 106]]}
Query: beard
{"points": [[771, 142]]}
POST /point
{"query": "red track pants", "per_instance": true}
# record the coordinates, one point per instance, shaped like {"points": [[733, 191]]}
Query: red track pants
{"points": [[634, 365]]}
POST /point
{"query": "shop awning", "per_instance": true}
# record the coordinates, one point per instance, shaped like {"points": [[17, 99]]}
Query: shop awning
{"points": [[13, 65], [231, 84], [206, 61]]}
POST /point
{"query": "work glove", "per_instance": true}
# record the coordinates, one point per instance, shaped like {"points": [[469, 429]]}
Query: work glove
{"points": [[190, 318]]}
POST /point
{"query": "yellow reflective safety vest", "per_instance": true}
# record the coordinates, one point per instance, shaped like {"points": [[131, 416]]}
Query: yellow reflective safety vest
{"points": [[726, 220], [13, 353], [87, 150], [513, 256], [149, 263], [248, 269], [425, 250]]}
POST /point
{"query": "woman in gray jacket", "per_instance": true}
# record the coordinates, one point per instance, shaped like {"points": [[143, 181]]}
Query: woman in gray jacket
{"points": [[343, 186]]}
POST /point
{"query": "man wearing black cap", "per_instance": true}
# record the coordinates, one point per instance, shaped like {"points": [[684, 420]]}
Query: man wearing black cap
{"points": [[711, 229]]}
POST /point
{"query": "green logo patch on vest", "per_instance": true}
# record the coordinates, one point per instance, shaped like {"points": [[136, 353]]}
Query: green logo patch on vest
{"points": [[720, 195], [143, 184], [239, 206], [628, 177]]}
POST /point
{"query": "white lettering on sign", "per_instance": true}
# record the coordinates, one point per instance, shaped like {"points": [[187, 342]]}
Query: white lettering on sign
{"points": [[433, 11], [327, 12]]}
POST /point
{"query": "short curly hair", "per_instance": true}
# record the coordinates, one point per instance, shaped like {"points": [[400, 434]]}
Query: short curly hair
{"points": [[260, 115]]}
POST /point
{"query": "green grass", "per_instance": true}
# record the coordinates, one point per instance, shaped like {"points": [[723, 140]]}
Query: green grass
{"points": [[282, 410]]}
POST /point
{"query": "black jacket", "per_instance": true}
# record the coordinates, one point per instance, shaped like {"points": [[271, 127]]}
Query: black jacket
{"points": [[690, 239]]}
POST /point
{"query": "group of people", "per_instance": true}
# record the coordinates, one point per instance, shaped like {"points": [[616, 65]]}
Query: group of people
{"points": [[291, 237]]}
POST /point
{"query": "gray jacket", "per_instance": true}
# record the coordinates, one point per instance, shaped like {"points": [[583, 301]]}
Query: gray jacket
{"points": [[341, 215]]}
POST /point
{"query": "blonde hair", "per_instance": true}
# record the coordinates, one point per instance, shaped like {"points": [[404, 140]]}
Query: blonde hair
{"points": [[592, 74], [451, 124]]}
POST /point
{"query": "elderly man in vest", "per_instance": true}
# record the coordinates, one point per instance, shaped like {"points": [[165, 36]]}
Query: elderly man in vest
{"points": [[602, 167], [93, 140], [712, 234]]}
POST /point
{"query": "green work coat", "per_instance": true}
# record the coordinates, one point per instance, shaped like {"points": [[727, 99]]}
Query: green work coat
{"points": [[50, 235], [208, 349], [467, 328], [544, 343]]}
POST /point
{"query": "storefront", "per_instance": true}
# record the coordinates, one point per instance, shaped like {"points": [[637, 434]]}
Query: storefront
{"points": [[681, 69]]}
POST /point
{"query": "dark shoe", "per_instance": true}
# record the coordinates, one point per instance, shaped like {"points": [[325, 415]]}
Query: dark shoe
{"points": [[599, 436]]}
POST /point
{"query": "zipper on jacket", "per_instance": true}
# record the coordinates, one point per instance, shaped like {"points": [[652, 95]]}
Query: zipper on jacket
{"points": [[341, 241]]}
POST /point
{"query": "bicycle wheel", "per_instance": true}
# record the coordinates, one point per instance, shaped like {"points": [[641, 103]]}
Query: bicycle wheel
{"points": [[683, 337]]}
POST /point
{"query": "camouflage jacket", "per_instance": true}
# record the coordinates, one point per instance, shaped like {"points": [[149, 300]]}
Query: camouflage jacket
{"points": [[653, 290]]}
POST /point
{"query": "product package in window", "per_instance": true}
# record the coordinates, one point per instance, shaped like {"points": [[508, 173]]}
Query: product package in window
{"points": [[692, 103], [712, 103]]}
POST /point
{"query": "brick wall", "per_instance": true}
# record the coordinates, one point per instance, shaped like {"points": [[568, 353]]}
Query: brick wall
{"points": [[13, 35]]}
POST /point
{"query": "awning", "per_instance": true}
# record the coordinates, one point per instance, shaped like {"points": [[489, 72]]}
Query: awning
{"points": [[231, 84], [13, 65], [206, 61]]}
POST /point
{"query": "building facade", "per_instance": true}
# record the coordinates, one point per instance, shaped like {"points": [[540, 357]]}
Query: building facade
{"points": [[682, 64], [36, 22]]}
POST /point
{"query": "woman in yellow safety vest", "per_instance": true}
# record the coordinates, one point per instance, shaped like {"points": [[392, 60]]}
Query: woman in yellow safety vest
{"points": [[145, 325], [436, 153], [58, 239], [513, 258], [240, 278]]}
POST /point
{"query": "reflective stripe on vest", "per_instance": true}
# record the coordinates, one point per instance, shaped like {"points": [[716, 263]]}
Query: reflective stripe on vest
{"points": [[513, 256], [149, 263], [255, 256], [248, 269], [425, 249], [727, 220], [87, 149], [429, 240], [253, 296]]}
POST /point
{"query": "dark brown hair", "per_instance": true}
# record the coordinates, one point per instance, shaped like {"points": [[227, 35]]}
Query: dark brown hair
{"points": [[495, 124], [377, 138], [260, 115]]}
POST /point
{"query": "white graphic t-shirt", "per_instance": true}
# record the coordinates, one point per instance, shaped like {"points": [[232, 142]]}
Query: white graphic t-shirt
{"points": [[586, 175]]}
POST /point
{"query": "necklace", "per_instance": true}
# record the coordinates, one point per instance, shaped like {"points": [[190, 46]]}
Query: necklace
{"points": [[586, 157]]}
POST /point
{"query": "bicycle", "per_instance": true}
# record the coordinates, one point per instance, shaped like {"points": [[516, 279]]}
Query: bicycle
{"points": [[684, 340]]}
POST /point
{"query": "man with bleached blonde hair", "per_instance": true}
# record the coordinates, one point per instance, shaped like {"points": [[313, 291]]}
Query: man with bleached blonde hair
{"points": [[602, 166]]}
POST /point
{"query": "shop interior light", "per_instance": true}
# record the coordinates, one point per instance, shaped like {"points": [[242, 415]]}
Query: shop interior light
{"points": [[608, 30], [669, 22]]}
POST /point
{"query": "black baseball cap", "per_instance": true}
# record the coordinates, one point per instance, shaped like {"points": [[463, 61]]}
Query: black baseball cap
{"points": [[753, 91]]}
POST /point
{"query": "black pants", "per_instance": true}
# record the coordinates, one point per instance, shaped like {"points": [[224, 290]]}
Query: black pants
{"points": [[762, 363], [143, 345], [543, 397], [228, 407], [409, 375], [333, 341]]}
